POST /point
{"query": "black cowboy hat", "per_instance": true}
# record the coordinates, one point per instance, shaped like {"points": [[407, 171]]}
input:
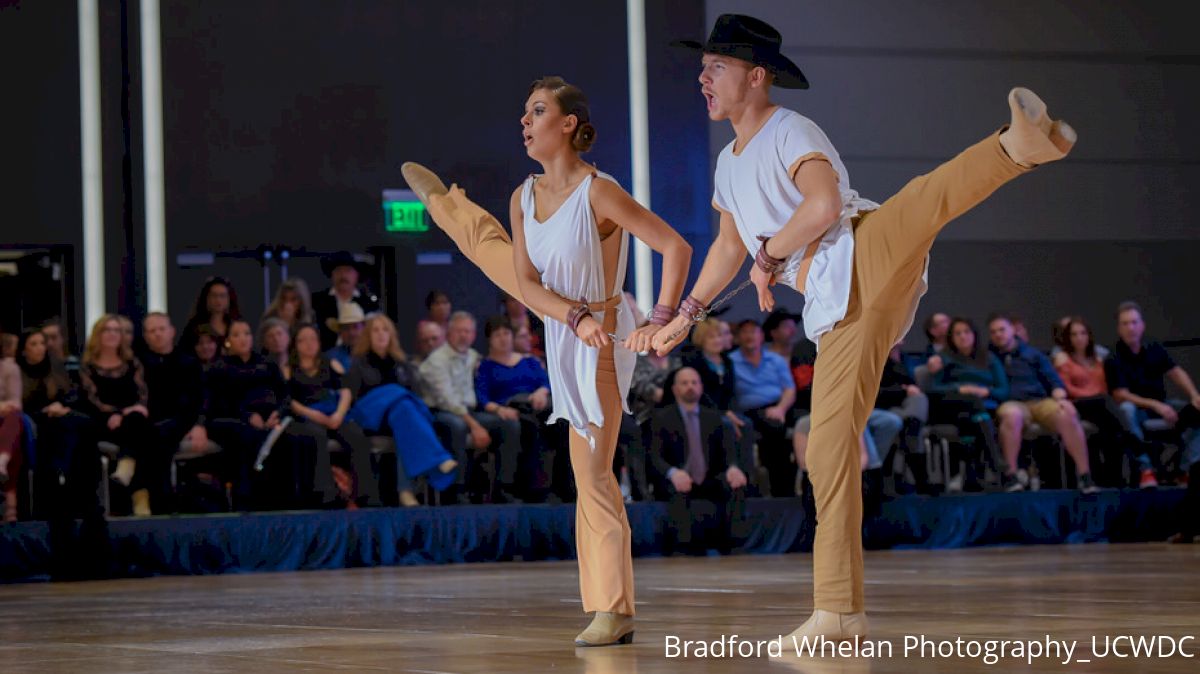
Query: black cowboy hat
{"points": [[342, 258], [750, 39]]}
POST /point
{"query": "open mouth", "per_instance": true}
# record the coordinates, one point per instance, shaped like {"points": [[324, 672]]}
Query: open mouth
{"points": [[527, 138], [710, 101]]}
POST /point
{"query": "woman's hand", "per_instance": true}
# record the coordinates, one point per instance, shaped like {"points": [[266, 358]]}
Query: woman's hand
{"points": [[640, 340], [660, 343], [592, 334]]}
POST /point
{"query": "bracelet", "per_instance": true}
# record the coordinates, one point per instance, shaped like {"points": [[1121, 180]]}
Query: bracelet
{"points": [[577, 313], [661, 315], [763, 259], [693, 310]]}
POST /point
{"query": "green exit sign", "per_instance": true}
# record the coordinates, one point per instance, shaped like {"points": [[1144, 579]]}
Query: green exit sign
{"points": [[403, 212]]}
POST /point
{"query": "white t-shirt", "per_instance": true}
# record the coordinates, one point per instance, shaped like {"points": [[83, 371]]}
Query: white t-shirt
{"points": [[757, 186]]}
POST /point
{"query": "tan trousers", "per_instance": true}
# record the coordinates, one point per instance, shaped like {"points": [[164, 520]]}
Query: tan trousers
{"points": [[889, 256], [602, 535]]}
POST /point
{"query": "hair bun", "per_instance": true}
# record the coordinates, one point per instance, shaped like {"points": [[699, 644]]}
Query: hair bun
{"points": [[585, 136]]}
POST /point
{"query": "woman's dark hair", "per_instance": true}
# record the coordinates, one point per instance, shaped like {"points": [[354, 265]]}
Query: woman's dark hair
{"points": [[49, 370], [294, 354], [571, 101], [496, 323], [434, 296], [200, 315], [979, 355], [1064, 338]]}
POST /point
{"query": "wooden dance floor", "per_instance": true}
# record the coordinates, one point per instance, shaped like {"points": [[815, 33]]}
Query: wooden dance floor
{"points": [[521, 617]]}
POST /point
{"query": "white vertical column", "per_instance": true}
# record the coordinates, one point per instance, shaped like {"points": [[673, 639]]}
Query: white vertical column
{"points": [[639, 117], [92, 174], [156, 227]]}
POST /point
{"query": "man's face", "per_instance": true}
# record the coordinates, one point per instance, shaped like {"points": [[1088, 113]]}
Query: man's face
{"points": [[1131, 327], [54, 340], [430, 336], [785, 332], [461, 335], [345, 278], [939, 326], [159, 334], [725, 83], [349, 333], [1001, 332], [750, 337], [687, 386]]}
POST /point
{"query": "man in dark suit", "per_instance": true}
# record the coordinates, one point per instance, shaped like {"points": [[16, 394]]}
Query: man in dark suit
{"points": [[344, 271], [693, 458]]}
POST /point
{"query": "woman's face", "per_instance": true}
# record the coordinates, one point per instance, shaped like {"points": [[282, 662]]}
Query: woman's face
{"points": [[523, 340], [308, 343], [35, 349], [218, 299], [277, 340], [714, 342], [206, 348], [289, 306], [381, 337], [241, 340], [726, 333], [544, 128], [963, 339], [501, 341], [439, 311], [1079, 337], [110, 335]]}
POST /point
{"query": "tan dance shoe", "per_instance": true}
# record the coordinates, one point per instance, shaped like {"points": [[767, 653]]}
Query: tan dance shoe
{"points": [[833, 626], [141, 503], [607, 629], [422, 181], [1034, 138]]}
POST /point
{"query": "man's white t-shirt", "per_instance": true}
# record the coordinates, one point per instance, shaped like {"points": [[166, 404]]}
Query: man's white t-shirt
{"points": [[757, 186]]}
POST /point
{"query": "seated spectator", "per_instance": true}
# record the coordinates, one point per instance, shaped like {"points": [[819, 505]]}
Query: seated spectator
{"points": [[521, 317], [430, 337], [344, 272], [1135, 372], [780, 331], [67, 470], [292, 304], [383, 385], [175, 389], [217, 307], [115, 394], [694, 464], [728, 343], [646, 390], [8, 345], [276, 340], [514, 386], [715, 367], [764, 393], [349, 326], [1082, 371], [899, 394], [438, 309], [1035, 394], [10, 435], [967, 390], [207, 348], [937, 331], [448, 375], [319, 404], [1059, 334], [56, 345], [245, 402]]}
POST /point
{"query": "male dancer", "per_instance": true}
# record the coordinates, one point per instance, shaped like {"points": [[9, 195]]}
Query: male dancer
{"points": [[784, 197]]}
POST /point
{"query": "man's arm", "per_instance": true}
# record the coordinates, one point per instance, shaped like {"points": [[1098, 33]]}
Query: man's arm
{"points": [[1182, 380], [822, 206]]}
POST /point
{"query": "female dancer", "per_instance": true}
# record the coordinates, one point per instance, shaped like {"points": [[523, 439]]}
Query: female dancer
{"points": [[565, 262]]}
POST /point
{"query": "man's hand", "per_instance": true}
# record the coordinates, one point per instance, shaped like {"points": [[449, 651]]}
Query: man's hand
{"points": [[477, 435], [1167, 413], [735, 477], [738, 424], [777, 413], [934, 364], [681, 480], [763, 282], [911, 390], [335, 420]]}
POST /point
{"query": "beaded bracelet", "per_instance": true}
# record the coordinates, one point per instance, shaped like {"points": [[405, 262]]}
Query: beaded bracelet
{"points": [[661, 315], [763, 259]]}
